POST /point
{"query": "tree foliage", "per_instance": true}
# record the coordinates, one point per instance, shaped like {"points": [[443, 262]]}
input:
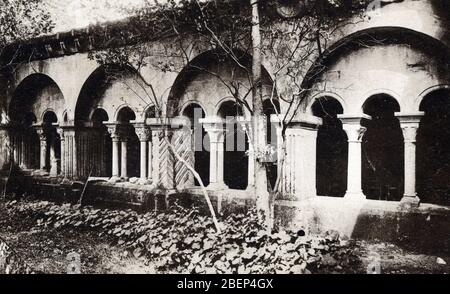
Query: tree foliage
{"points": [[22, 20]]}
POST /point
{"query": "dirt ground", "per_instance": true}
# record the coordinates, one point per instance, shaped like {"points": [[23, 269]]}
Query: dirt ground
{"points": [[396, 260], [46, 250]]}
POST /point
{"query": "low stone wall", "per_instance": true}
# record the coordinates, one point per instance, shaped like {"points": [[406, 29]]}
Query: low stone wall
{"points": [[125, 195], [426, 228]]}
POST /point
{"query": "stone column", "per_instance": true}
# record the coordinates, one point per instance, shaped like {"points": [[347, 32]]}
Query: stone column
{"points": [[143, 135], [63, 151], [150, 159], [113, 130], [214, 126], [4, 146], [409, 123], [124, 158], [299, 172], [53, 159], [43, 150], [355, 131]]}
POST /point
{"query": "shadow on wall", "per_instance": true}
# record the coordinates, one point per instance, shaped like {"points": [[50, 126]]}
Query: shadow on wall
{"points": [[425, 229]]}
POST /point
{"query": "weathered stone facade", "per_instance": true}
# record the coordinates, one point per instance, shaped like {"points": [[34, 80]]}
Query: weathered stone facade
{"points": [[79, 124]]}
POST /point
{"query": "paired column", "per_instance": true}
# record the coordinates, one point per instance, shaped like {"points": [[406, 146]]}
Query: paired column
{"points": [[60, 132], [114, 132], [144, 136], [43, 150], [214, 126], [352, 125], [53, 159], [124, 157], [409, 123]]}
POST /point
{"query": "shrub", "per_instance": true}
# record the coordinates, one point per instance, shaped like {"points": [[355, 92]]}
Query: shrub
{"points": [[183, 240]]}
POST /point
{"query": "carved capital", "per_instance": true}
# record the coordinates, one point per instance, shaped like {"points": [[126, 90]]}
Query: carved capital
{"points": [[409, 123], [113, 131], [143, 134], [352, 126], [60, 132], [409, 132], [355, 132], [42, 134]]}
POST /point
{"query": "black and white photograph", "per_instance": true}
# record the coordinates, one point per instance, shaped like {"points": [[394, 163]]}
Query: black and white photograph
{"points": [[250, 138]]}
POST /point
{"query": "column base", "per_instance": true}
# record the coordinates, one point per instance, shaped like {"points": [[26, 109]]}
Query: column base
{"points": [[409, 202], [217, 186], [144, 182], [66, 180], [114, 180], [41, 172], [355, 196]]}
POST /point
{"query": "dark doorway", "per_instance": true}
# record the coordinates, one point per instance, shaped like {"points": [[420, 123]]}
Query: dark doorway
{"points": [[383, 150], [433, 149], [201, 155], [235, 145], [332, 149], [133, 146], [102, 145]]}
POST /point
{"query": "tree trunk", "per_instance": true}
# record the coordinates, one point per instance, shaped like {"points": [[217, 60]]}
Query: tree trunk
{"points": [[258, 121]]}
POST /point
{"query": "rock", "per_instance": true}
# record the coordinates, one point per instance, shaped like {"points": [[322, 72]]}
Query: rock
{"points": [[113, 181], [134, 180], [332, 235], [329, 260], [441, 261]]}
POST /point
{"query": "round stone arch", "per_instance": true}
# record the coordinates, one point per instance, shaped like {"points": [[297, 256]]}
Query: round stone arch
{"points": [[370, 36], [184, 88], [104, 79], [322, 95], [427, 92], [29, 93], [223, 101], [381, 92], [48, 111], [190, 103], [124, 106]]}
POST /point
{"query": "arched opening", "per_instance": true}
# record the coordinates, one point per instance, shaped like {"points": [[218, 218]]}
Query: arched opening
{"points": [[433, 152], [30, 142], [332, 149], [53, 151], [383, 150], [270, 107], [194, 113], [236, 145], [102, 144], [152, 112], [124, 117], [32, 99]]}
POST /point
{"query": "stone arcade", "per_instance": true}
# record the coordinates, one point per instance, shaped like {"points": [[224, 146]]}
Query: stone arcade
{"points": [[374, 142]]}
